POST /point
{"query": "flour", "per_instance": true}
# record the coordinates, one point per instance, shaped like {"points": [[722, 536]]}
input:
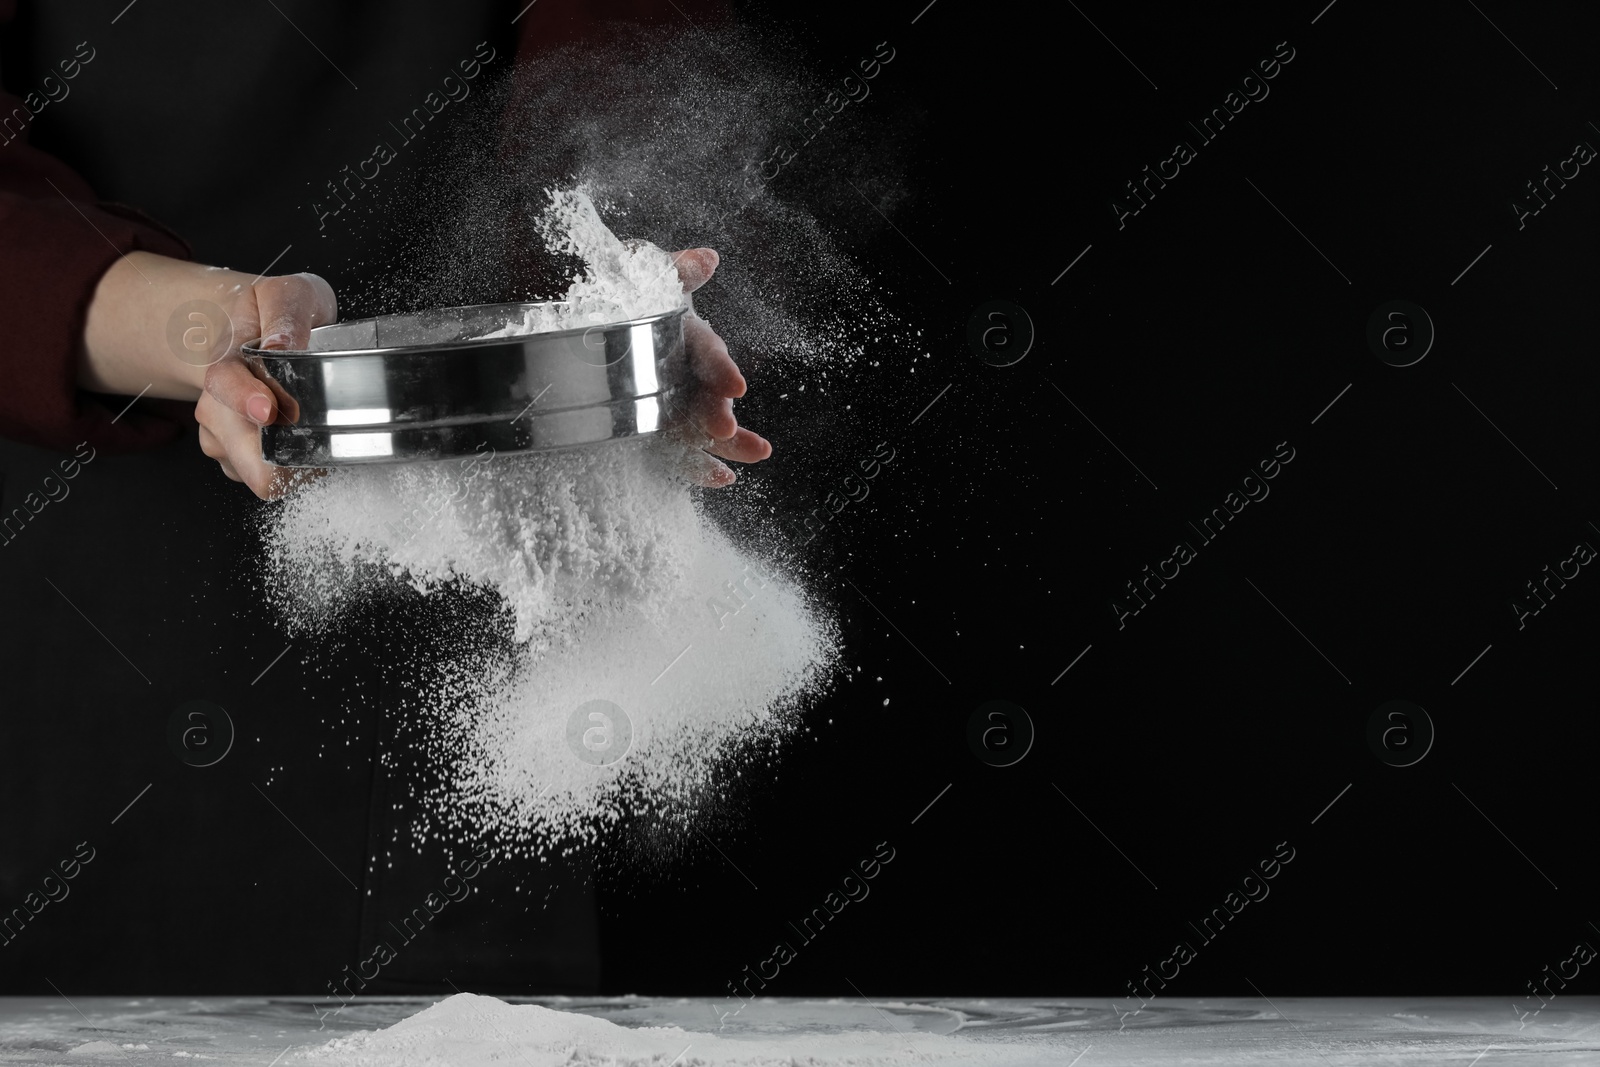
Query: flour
{"points": [[621, 281], [666, 132], [549, 532], [619, 597], [475, 1031], [689, 613]]}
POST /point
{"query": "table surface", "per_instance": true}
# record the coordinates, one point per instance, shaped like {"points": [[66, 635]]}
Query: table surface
{"points": [[1482, 1031]]}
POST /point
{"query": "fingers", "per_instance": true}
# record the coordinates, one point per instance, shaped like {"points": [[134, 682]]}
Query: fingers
{"points": [[290, 306], [212, 446], [743, 447], [237, 400], [705, 469], [709, 359], [695, 266], [235, 443], [707, 405], [231, 384], [701, 464], [711, 416], [708, 471]]}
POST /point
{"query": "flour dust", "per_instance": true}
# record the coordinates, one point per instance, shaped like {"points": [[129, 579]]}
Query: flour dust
{"points": [[646, 648], [619, 281], [685, 619]]}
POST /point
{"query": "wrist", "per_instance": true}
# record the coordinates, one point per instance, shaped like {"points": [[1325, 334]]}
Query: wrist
{"points": [[155, 324]]}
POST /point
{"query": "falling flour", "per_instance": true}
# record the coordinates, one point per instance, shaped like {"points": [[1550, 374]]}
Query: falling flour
{"points": [[467, 1030], [645, 648]]}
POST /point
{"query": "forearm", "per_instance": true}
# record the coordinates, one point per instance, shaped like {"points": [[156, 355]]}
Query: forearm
{"points": [[155, 323]]}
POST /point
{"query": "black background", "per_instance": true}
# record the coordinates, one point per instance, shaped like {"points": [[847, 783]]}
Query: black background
{"points": [[1198, 338], [1217, 723]]}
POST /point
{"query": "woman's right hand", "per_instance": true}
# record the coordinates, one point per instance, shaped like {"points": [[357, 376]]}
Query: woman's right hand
{"points": [[170, 328]]}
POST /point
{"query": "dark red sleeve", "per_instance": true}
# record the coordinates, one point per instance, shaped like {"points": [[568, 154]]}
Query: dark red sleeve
{"points": [[56, 240]]}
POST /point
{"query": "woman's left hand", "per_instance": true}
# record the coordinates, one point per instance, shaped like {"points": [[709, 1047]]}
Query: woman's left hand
{"points": [[703, 390]]}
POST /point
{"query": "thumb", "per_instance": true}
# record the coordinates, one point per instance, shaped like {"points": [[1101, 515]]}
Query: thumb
{"points": [[695, 266], [290, 305]]}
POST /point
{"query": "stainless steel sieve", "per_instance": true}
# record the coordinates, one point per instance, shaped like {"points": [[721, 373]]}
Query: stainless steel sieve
{"points": [[430, 385]]}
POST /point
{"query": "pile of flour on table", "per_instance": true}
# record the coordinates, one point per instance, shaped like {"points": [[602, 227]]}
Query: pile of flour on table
{"points": [[467, 1030]]}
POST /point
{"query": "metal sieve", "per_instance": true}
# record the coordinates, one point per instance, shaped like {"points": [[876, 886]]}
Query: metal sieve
{"points": [[429, 385]]}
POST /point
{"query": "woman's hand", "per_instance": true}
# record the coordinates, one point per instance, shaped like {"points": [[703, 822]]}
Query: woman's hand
{"points": [[170, 328], [236, 402], [705, 387]]}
